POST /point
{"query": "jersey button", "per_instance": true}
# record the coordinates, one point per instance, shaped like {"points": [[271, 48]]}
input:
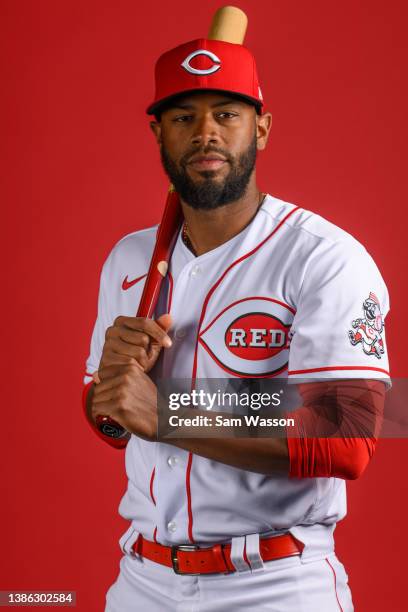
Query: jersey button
{"points": [[195, 271], [172, 461], [180, 333], [172, 526]]}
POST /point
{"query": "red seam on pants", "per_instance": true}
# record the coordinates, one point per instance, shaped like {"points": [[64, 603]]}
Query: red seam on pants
{"points": [[151, 485], [188, 490], [335, 583]]}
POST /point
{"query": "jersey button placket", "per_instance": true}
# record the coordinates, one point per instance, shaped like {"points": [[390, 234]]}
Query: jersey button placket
{"points": [[195, 271], [180, 334], [172, 461]]}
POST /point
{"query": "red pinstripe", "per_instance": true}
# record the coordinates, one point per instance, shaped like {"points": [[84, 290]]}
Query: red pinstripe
{"points": [[170, 297], [188, 490], [329, 368], [169, 300], [151, 485], [194, 373], [335, 582]]}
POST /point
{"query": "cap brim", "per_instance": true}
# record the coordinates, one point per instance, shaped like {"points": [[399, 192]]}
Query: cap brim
{"points": [[159, 106]]}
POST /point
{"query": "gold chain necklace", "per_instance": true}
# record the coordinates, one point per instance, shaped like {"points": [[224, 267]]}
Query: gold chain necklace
{"points": [[186, 239]]}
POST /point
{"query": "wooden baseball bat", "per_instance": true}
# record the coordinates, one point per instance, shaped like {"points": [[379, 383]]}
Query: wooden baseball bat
{"points": [[228, 24]]}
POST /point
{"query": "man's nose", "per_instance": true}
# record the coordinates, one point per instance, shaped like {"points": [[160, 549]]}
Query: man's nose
{"points": [[206, 131]]}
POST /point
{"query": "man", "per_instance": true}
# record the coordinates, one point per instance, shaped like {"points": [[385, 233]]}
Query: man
{"points": [[257, 288]]}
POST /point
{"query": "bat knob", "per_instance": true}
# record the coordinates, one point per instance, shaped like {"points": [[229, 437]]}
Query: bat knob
{"points": [[109, 427]]}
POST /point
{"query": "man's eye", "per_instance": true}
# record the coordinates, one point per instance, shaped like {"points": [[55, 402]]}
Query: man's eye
{"points": [[182, 118], [227, 115]]}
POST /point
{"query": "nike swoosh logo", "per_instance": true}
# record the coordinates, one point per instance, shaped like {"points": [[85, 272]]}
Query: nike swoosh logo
{"points": [[128, 284]]}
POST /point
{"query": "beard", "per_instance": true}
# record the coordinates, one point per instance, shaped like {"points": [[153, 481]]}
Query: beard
{"points": [[210, 193]]}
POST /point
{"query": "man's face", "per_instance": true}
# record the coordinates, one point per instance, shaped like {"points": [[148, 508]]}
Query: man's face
{"points": [[208, 144]]}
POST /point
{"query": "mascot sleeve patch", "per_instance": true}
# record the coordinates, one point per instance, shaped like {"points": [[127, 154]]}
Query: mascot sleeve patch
{"points": [[339, 326]]}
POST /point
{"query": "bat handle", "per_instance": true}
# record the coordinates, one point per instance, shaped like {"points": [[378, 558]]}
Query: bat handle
{"points": [[165, 240]]}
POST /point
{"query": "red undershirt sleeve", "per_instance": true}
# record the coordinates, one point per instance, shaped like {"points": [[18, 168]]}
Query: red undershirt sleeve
{"points": [[336, 429]]}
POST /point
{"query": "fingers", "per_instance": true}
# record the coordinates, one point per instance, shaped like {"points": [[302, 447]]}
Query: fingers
{"points": [[136, 339], [108, 387], [113, 374], [118, 349], [109, 358], [106, 396], [165, 321], [127, 395], [148, 326], [113, 388], [113, 393], [128, 336], [105, 409]]}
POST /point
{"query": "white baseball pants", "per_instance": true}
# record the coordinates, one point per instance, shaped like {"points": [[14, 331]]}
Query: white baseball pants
{"points": [[283, 585]]}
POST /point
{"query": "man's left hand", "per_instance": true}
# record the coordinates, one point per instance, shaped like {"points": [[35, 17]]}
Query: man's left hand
{"points": [[129, 396]]}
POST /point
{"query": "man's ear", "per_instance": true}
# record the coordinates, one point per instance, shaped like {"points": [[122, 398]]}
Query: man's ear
{"points": [[263, 127], [156, 129]]}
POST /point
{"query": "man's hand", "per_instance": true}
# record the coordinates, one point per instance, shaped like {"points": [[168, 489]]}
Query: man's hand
{"points": [[127, 395], [135, 339]]}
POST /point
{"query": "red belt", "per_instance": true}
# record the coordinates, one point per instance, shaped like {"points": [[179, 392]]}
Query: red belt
{"points": [[193, 560]]}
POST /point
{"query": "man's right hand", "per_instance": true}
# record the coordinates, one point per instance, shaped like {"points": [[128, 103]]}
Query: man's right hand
{"points": [[135, 339]]}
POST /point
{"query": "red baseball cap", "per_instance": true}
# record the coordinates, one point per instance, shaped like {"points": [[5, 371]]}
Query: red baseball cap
{"points": [[211, 65]]}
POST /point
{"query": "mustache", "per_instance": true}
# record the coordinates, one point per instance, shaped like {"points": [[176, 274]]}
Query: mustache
{"points": [[205, 151]]}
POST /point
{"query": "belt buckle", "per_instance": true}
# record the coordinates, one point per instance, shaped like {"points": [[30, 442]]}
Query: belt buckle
{"points": [[174, 558]]}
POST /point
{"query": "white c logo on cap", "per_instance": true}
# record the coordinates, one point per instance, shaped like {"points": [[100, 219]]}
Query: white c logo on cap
{"points": [[212, 56]]}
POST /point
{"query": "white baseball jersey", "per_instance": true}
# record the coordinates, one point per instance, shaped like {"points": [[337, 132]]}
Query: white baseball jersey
{"points": [[285, 297]]}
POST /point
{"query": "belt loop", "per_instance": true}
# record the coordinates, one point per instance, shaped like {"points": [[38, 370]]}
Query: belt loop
{"points": [[126, 543], [237, 554], [252, 551]]}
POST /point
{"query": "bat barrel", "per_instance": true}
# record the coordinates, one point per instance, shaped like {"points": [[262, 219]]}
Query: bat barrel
{"points": [[229, 24]]}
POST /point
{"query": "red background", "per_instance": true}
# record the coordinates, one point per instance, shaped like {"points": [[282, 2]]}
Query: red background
{"points": [[80, 169]]}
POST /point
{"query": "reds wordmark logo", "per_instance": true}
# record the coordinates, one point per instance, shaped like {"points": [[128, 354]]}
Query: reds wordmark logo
{"points": [[250, 337], [368, 330]]}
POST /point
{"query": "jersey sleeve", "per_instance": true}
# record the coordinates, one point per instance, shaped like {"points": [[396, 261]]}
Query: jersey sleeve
{"points": [[103, 321], [338, 330]]}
